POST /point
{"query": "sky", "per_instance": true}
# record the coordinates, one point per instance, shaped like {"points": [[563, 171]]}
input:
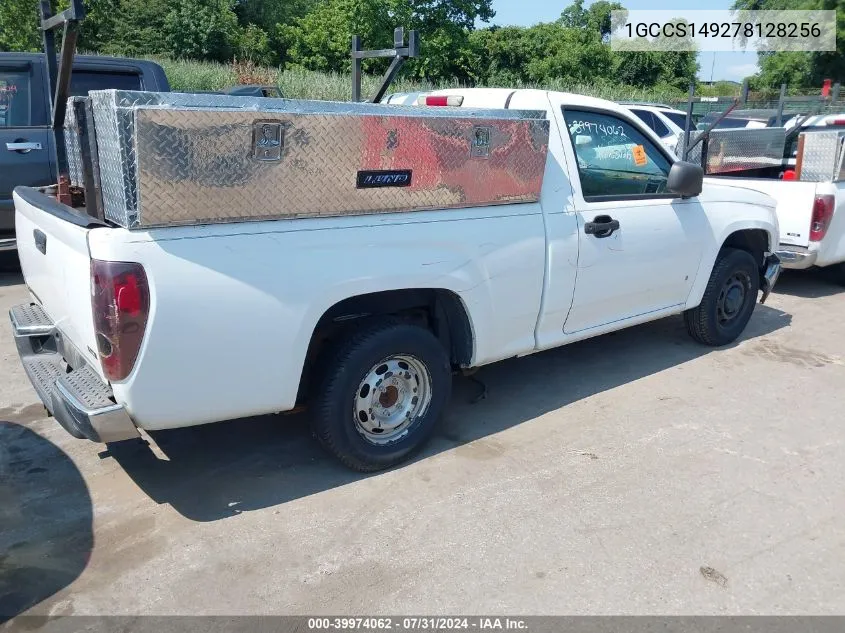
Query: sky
{"points": [[731, 66]]}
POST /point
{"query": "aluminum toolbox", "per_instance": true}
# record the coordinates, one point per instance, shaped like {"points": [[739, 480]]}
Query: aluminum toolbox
{"points": [[821, 156], [173, 158], [72, 142], [733, 149]]}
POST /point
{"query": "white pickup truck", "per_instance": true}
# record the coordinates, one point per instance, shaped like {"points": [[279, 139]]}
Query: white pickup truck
{"points": [[363, 317], [811, 216], [810, 210]]}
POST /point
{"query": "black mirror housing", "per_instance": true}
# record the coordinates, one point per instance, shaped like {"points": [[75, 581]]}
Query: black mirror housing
{"points": [[685, 179]]}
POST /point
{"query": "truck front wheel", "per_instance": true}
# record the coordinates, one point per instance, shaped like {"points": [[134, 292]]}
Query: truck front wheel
{"points": [[380, 394], [728, 300]]}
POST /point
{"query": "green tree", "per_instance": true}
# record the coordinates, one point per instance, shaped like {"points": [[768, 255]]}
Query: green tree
{"points": [[801, 70], [576, 54], [257, 16], [253, 44], [638, 68], [320, 40], [202, 29], [136, 30], [595, 18], [574, 16], [266, 14], [19, 20]]}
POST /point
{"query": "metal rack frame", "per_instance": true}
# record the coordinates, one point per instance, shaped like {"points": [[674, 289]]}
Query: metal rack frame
{"points": [[58, 75], [399, 53]]}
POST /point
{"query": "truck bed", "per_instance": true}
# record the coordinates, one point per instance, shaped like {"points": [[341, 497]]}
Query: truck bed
{"points": [[252, 291]]}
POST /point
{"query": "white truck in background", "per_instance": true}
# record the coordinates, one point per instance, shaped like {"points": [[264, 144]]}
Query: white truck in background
{"points": [[668, 123], [810, 200], [811, 216], [363, 317]]}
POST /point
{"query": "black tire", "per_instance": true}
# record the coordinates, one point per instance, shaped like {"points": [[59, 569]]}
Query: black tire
{"points": [[721, 316], [335, 394]]}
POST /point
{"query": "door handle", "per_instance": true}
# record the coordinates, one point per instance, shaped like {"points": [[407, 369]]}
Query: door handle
{"points": [[601, 226], [22, 147]]}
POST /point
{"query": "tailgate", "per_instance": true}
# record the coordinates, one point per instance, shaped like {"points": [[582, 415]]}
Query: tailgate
{"points": [[795, 210], [52, 241]]}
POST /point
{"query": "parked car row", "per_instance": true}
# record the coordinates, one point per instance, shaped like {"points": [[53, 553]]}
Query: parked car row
{"points": [[668, 123]]}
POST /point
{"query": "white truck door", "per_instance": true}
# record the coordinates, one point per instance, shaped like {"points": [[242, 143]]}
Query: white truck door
{"points": [[639, 245]]}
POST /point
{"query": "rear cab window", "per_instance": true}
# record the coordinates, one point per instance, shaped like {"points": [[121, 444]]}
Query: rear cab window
{"points": [[83, 81], [615, 160], [645, 116], [660, 128], [677, 118], [653, 121]]}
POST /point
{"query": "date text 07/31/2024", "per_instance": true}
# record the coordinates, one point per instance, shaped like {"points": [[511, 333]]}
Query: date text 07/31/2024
{"points": [[416, 623]]}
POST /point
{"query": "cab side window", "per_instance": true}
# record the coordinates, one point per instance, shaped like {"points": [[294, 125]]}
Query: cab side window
{"points": [[615, 160], [15, 106]]}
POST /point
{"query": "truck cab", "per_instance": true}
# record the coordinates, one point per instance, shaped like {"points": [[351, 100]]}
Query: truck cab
{"points": [[27, 144]]}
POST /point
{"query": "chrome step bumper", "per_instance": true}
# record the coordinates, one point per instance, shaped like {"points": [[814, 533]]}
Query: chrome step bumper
{"points": [[796, 257], [76, 396]]}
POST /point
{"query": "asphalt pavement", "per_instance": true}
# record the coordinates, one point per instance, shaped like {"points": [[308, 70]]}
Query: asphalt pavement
{"points": [[634, 473]]}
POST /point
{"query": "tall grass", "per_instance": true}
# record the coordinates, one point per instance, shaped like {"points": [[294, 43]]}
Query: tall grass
{"points": [[297, 83], [305, 84], [185, 76]]}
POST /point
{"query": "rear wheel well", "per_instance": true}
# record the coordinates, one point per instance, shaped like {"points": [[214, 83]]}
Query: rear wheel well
{"points": [[440, 311], [755, 241]]}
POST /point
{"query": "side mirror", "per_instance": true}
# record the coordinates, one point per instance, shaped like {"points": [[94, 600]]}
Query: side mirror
{"points": [[685, 179]]}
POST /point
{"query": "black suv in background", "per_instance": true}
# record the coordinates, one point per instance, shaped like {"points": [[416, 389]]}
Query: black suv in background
{"points": [[27, 145]]}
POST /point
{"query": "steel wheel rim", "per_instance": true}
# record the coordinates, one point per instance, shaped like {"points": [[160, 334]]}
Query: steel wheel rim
{"points": [[392, 396], [732, 297]]}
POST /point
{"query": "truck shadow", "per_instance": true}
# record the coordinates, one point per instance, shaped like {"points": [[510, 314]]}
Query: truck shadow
{"points": [[220, 470], [10, 268], [813, 283], [46, 519], [10, 278]]}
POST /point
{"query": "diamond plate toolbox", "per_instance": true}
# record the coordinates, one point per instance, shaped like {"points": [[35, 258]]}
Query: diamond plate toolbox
{"points": [[822, 156], [173, 159], [72, 147], [740, 149]]}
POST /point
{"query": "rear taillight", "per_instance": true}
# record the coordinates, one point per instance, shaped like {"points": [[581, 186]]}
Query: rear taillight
{"points": [[822, 213], [440, 100], [120, 302]]}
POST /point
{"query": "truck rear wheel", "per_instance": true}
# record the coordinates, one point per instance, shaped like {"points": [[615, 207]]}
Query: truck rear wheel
{"points": [[380, 395], [728, 300]]}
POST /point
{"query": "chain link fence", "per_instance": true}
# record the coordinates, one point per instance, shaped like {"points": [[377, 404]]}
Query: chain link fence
{"points": [[791, 105]]}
